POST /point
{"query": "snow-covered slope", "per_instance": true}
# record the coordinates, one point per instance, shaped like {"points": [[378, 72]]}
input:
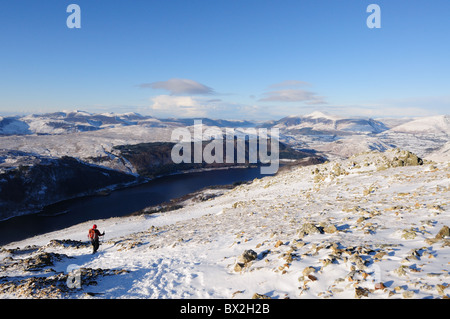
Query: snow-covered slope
{"points": [[439, 124], [67, 122], [440, 155], [366, 227], [12, 126], [320, 122], [78, 121], [351, 145]]}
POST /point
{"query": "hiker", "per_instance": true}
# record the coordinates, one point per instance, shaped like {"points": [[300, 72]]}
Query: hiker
{"points": [[94, 235]]}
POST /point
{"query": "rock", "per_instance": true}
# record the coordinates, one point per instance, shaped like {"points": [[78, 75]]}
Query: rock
{"points": [[238, 267], [278, 243], [247, 256], [308, 270], [236, 293], [260, 296], [409, 234], [309, 228], [330, 229], [379, 285], [409, 159], [401, 271], [41, 261], [440, 289], [380, 255], [68, 243], [444, 232], [244, 260], [361, 292], [408, 294]]}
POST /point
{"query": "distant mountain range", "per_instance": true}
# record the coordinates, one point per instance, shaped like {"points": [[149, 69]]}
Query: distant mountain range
{"points": [[321, 123], [41, 153], [81, 121], [432, 124], [316, 123]]}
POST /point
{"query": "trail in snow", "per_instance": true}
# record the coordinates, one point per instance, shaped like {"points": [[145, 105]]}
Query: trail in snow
{"points": [[350, 229]]}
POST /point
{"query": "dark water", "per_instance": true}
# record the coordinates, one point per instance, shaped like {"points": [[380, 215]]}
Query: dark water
{"points": [[120, 202]]}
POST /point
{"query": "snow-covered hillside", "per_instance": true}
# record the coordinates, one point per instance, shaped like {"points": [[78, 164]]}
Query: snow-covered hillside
{"points": [[441, 154], [439, 124], [67, 122], [338, 137], [365, 227], [88, 136], [319, 123]]}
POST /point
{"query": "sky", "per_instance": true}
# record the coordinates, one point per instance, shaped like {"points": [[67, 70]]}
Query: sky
{"points": [[230, 59]]}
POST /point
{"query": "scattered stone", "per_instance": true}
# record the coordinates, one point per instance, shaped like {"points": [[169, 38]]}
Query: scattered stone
{"points": [[379, 285], [247, 256], [380, 255], [238, 267], [41, 261], [409, 234], [68, 243], [361, 292], [401, 271], [309, 228], [54, 286], [408, 294], [278, 243], [308, 270], [330, 229], [444, 232], [440, 289], [260, 296], [244, 260]]}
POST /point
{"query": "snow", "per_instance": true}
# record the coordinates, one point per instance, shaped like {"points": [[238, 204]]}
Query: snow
{"points": [[440, 155], [439, 124], [192, 252], [322, 115]]}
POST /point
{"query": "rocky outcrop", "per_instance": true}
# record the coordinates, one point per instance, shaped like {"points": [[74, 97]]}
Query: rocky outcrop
{"points": [[245, 259], [54, 286]]}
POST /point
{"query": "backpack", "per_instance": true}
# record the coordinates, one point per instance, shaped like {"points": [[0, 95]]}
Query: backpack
{"points": [[93, 234]]}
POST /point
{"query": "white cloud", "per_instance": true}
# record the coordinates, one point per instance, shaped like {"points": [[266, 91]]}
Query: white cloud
{"points": [[290, 91], [189, 106], [293, 95], [289, 83], [178, 106], [180, 87]]}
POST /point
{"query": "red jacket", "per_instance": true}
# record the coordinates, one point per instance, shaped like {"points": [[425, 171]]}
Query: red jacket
{"points": [[94, 234]]}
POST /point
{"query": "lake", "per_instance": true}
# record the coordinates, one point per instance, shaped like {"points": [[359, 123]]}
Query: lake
{"points": [[119, 203]]}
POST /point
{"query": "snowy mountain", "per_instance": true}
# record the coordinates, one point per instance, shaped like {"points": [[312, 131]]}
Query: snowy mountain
{"points": [[439, 124], [321, 123], [66, 122], [441, 154], [99, 140], [78, 121], [371, 226], [13, 126]]}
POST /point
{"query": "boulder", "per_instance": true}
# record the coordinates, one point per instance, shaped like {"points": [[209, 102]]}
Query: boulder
{"points": [[361, 292], [309, 228], [244, 259], [247, 256], [260, 296], [444, 232]]}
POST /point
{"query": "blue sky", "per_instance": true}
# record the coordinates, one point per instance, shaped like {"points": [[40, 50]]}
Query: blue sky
{"points": [[252, 59]]}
